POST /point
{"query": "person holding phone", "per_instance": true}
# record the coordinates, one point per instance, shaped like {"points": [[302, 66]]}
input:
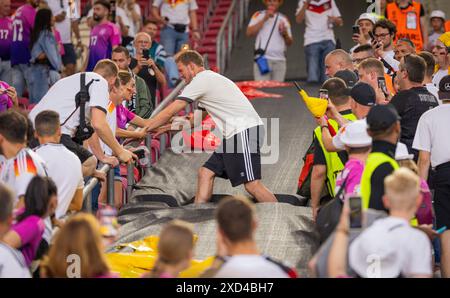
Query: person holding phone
{"points": [[361, 29], [8, 96], [383, 43]]}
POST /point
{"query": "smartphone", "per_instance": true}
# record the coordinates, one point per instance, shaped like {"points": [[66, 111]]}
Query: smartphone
{"points": [[140, 153], [355, 212], [146, 53], [323, 93], [355, 29], [441, 230], [371, 35], [382, 85]]}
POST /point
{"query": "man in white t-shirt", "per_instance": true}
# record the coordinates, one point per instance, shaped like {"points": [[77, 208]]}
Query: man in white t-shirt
{"points": [[61, 98], [176, 16], [64, 24], [428, 81], [390, 247], [320, 17], [237, 250], [433, 143], [384, 32], [12, 262], [273, 35], [238, 158], [63, 166], [21, 163]]}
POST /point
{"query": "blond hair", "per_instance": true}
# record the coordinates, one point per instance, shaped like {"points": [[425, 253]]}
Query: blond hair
{"points": [[402, 189], [79, 236], [106, 68], [176, 242]]}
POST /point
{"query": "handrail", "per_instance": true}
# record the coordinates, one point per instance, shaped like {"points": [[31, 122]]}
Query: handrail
{"points": [[234, 20]]}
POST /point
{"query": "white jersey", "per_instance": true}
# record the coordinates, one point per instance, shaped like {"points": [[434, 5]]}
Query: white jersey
{"points": [[223, 100], [251, 266], [64, 167], [12, 263], [61, 99], [18, 171]]}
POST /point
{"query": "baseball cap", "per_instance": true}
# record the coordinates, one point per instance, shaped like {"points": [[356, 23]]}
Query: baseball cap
{"points": [[382, 117], [444, 88], [349, 77], [401, 152], [367, 16], [363, 94], [438, 14], [354, 135]]}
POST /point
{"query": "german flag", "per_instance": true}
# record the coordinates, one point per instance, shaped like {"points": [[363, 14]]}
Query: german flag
{"points": [[28, 166]]}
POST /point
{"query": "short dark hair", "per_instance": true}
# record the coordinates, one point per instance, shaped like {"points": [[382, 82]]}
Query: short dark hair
{"points": [[235, 219], [429, 61], [6, 202], [386, 24], [148, 21], [337, 91], [124, 77], [13, 126], [47, 123], [189, 56], [37, 197], [103, 3], [415, 66], [408, 41], [364, 48], [121, 49]]}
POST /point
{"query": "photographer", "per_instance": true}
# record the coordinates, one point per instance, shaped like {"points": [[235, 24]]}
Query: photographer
{"points": [[176, 16], [273, 34], [361, 30], [62, 98], [384, 33]]}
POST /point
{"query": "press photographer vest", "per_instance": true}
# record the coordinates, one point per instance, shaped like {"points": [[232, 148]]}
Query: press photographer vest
{"points": [[407, 22]]}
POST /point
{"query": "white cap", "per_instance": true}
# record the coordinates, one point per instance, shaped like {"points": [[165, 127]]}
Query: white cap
{"points": [[354, 134], [438, 14], [367, 16], [401, 152]]}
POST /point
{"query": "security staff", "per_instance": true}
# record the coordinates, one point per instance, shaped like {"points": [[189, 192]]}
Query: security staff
{"points": [[383, 125]]}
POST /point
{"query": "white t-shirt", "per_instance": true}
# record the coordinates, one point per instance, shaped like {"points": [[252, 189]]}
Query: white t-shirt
{"points": [[64, 168], [223, 100], [61, 98], [12, 263], [390, 247], [437, 77], [276, 49], [250, 266], [64, 27], [316, 19], [127, 18], [18, 171], [432, 134], [176, 11], [433, 90], [389, 58]]}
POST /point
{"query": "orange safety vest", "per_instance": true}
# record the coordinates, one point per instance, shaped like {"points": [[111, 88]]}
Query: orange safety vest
{"points": [[389, 84], [447, 26], [407, 22]]}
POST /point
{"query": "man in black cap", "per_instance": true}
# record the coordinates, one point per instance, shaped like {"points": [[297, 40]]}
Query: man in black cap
{"points": [[383, 125], [433, 143], [414, 99], [363, 98]]}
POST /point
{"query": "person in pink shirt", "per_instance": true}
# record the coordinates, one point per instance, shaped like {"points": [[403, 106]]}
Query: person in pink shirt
{"points": [[26, 234], [5, 41], [358, 144], [105, 36]]}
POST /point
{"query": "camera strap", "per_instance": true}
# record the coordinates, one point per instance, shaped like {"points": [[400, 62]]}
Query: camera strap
{"points": [[270, 36]]}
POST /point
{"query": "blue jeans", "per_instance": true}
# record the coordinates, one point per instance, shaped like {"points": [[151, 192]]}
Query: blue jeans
{"points": [[21, 78], [173, 40], [6, 72], [315, 60], [40, 75], [171, 71]]}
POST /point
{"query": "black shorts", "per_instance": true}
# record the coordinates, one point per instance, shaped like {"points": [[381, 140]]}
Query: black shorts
{"points": [[69, 54], [238, 159], [442, 195], [82, 153]]}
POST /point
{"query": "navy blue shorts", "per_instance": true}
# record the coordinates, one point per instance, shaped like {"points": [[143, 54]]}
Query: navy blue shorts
{"points": [[238, 159], [69, 54]]}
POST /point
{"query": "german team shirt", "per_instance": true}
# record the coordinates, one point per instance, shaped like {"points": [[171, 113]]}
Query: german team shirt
{"points": [[5, 38], [18, 171], [23, 23], [103, 38]]}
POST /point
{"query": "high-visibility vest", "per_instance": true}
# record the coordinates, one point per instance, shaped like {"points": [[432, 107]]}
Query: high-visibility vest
{"points": [[447, 26], [333, 161], [389, 84], [407, 22]]}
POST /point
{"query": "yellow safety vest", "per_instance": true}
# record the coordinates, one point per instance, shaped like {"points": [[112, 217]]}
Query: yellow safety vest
{"points": [[374, 160], [333, 162]]}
